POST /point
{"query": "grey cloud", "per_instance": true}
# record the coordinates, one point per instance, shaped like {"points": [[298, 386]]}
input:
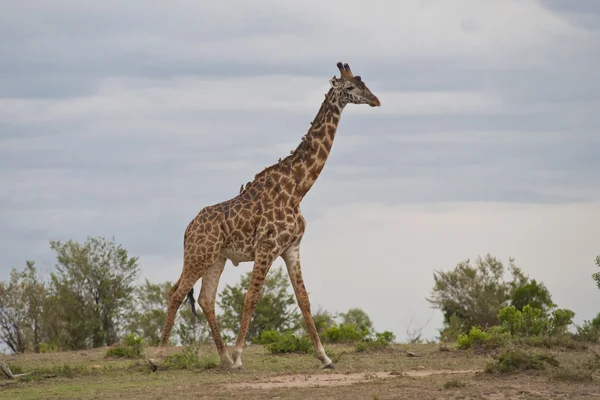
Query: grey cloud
{"points": [[584, 13], [140, 162]]}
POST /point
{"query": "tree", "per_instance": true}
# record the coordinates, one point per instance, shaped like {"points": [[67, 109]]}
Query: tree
{"points": [[275, 309], [323, 320], [534, 294], [149, 311], [358, 318], [192, 329], [596, 275], [21, 310], [473, 295], [92, 287]]}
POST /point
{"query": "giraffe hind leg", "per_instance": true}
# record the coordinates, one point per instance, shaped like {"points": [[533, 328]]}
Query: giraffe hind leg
{"points": [[199, 255], [207, 300]]}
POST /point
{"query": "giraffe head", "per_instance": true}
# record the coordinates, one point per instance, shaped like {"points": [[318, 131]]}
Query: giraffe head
{"points": [[352, 89]]}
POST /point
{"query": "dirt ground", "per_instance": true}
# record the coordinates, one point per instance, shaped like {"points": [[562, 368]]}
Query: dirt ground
{"points": [[388, 375]]}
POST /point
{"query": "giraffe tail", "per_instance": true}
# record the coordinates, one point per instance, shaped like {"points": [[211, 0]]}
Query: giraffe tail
{"points": [[192, 302]]}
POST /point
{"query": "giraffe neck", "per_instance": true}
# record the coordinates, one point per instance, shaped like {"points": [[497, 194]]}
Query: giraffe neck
{"points": [[308, 159]]}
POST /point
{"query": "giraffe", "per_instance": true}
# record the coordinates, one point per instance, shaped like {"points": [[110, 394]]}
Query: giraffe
{"points": [[261, 223]]}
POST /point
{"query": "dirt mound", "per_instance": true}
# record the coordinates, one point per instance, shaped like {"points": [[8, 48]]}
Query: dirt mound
{"points": [[335, 379]]}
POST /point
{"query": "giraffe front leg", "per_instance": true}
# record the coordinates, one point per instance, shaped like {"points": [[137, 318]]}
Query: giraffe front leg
{"points": [[207, 299], [292, 262], [262, 263]]}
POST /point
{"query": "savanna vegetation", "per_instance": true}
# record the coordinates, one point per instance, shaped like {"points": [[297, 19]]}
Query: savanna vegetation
{"points": [[91, 321]]}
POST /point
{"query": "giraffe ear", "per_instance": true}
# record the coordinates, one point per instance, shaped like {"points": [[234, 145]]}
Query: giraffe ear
{"points": [[335, 82]]}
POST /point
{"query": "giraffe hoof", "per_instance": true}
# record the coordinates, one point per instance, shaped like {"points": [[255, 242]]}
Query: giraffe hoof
{"points": [[329, 366], [153, 364], [236, 369]]}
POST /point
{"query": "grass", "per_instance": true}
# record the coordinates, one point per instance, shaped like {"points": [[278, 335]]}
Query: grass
{"points": [[190, 359], [195, 373], [454, 384]]}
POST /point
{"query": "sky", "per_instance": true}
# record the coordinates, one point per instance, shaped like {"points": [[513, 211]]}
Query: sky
{"points": [[125, 119]]}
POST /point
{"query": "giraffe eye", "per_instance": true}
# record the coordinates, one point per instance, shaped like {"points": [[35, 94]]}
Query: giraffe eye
{"points": [[350, 88]]}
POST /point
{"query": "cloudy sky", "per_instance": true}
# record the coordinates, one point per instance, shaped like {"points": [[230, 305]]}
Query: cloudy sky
{"points": [[126, 118]]}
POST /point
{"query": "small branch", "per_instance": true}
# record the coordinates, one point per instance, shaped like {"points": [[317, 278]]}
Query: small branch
{"points": [[9, 373], [6, 370]]}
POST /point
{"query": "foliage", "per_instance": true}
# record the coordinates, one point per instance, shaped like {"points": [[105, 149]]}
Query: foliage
{"points": [[358, 318], [149, 311], [534, 322], [290, 343], [48, 348], [323, 320], [478, 339], [22, 303], [453, 327], [343, 333], [275, 309], [91, 290], [267, 337], [589, 331], [475, 294], [130, 348], [533, 294], [550, 342], [596, 275], [519, 360], [188, 358], [381, 340], [596, 321], [191, 328]]}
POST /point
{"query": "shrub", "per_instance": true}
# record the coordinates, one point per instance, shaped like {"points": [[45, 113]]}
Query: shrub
{"points": [[189, 359], [519, 360], [290, 343], [534, 321], [564, 341], [475, 337], [560, 320], [344, 333], [478, 339], [131, 348], [267, 337], [381, 341], [587, 332], [48, 348]]}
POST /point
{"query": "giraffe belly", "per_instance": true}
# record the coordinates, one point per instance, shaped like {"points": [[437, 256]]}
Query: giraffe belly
{"points": [[237, 255]]}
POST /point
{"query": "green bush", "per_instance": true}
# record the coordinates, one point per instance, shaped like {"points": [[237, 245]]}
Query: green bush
{"points": [[478, 339], [519, 360], [290, 343], [267, 337], [560, 320], [534, 321], [48, 348], [131, 347], [381, 341], [587, 332], [188, 358], [344, 333], [550, 342]]}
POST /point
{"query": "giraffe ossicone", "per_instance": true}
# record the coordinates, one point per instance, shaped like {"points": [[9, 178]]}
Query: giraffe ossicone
{"points": [[261, 223]]}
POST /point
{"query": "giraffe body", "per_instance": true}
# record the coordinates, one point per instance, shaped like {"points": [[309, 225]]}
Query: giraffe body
{"points": [[261, 223]]}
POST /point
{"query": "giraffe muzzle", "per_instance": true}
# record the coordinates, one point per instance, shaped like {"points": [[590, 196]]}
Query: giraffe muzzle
{"points": [[375, 102]]}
